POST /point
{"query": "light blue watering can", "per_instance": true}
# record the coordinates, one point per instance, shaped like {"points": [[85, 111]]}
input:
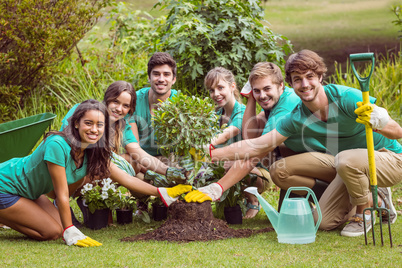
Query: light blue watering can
{"points": [[295, 223]]}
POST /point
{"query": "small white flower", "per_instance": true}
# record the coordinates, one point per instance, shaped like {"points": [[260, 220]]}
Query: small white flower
{"points": [[107, 181], [87, 187], [104, 195]]}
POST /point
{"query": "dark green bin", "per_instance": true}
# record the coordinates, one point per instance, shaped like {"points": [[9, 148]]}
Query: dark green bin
{"points": [[18, 137]]}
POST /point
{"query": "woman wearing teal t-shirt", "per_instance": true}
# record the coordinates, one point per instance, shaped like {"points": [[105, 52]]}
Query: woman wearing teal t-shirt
{"points": [[63, 158], [222, 89]]}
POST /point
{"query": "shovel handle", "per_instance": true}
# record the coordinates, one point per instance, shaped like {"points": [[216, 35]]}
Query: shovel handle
{"points": [[363, 81], [309, 192]]}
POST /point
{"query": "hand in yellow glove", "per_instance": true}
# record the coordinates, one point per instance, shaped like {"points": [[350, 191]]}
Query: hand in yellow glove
{"points": [[197, 196], [170, 195], [371, 115], [203, 155], [73, 236], [211, 192]]}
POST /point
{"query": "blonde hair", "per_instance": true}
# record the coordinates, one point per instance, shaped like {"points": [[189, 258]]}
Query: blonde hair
{"points": [[213, 76], [266, 69]]}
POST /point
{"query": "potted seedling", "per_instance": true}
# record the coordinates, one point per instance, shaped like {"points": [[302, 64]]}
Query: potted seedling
{"points": [[99, 197], [125, 206]]}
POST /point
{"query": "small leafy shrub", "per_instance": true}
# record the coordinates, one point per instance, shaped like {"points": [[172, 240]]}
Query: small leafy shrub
{"points": [[184, 122], [203, 34], [101, 194], [35, 35]]}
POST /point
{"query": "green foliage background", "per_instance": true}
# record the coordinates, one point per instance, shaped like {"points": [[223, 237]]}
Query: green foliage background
{"points": [[35, 36], [203, 34]]}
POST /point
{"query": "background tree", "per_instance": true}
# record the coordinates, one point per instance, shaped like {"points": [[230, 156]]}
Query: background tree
{"points": [[203, 34], [36, 35]]}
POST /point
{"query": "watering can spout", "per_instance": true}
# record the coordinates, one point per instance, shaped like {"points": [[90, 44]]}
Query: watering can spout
{"points": [[272, 214]]}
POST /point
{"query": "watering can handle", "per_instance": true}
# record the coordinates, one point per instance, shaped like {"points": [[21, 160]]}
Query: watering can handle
{"points": [[309, 192]]}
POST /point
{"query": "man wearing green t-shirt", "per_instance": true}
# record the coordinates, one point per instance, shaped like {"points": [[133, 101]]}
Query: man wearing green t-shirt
{"points": [[265, 87], [162, 76], [326, 119]]}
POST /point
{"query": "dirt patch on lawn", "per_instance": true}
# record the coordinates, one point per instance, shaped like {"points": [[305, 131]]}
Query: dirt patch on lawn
{"points": [[193, 222]]}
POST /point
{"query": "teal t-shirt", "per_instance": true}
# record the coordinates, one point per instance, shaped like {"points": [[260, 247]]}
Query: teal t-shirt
{"points": [[29, 176], [142, 116], [128, 135], [235, 120], [340, 132]]}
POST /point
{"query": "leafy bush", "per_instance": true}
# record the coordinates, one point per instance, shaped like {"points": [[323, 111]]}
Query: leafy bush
{"points": [[35, 35], [203, 34]]}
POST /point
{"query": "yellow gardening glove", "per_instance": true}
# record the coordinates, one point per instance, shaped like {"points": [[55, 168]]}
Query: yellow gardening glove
{"points": [[197, 155], [88, 242], [211, 192], [178, 190], [371, 115], [197, 196], [170, 195], [73, 236]]}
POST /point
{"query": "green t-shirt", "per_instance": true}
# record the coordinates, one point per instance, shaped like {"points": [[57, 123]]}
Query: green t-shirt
{"points": [[142, 116], [128, 135], [29, 176], [340, 132], [286, 103], [235, 120]]}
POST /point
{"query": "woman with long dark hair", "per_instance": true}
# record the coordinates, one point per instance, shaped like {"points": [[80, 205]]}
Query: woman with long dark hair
{"points": [[63, 158]]}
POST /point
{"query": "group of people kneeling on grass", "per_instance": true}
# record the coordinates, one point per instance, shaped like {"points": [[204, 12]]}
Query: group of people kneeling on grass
{"points": [[312, 135]]}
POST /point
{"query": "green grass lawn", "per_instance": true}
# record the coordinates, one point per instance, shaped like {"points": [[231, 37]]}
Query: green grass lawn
{"points": [[329, 250]]}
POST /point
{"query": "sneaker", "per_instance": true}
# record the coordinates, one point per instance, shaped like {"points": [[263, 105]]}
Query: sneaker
{"points": [[386, 195], [355, 227]]}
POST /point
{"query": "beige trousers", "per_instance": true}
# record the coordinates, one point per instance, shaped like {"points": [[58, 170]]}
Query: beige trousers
{"points": [[348, 176]]}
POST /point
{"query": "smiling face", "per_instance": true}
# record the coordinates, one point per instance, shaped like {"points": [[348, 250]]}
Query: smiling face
{"points": [[266, 93], [91, 127], [119, 107], [223, 93], [161, 79], [307, 85]]}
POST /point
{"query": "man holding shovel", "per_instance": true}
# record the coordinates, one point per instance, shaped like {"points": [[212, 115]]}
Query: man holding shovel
{"points": [[326, 119]]}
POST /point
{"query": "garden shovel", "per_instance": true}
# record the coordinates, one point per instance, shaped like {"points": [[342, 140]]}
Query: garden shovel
{"points": [[364, 85]]}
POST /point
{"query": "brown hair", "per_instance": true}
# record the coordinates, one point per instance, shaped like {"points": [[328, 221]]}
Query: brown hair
{"points": [[266, 69], [162, 58], [98, 154], [213, 76], [304, 61], [112, 93]]}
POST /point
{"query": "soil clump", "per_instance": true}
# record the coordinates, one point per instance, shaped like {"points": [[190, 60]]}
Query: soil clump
{"points": [[193, 222]]}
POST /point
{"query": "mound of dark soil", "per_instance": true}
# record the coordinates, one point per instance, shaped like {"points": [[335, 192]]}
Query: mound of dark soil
{"points": [[193, 222]]}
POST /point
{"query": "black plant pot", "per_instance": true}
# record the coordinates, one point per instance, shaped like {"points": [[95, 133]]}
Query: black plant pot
{"points": [[233, 215], [159, 212], [124, 216], [98, 219]]}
